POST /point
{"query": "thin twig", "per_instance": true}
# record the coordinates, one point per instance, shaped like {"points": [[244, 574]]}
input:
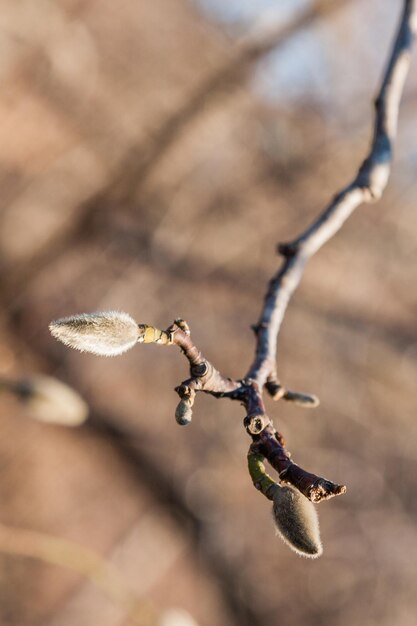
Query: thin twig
{"points": [[367, 186]]}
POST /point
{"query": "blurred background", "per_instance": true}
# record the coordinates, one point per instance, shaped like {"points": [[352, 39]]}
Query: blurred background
{"points": [[152, 154]]}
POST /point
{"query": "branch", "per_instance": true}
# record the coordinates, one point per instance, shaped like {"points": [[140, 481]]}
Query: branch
{"points": [[112, 333], [367, 186]]}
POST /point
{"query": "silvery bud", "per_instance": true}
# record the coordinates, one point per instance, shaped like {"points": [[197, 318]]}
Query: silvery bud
{"points": [[297, 522], [183, 412], [49, 400], [106, 333]]}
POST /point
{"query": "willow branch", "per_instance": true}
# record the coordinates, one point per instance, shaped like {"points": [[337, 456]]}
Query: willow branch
{"points": [[367, 186]]}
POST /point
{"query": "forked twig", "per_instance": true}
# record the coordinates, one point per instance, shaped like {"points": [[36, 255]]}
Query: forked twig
{"points": [[112, 333]]}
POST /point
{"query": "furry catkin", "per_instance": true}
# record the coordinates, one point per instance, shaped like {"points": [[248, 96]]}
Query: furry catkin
{"points": [[106, 333], [297, 522]]}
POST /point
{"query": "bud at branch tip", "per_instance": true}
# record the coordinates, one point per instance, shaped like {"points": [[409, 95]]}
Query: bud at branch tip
{"points": [[106, 333], [297, 522]]}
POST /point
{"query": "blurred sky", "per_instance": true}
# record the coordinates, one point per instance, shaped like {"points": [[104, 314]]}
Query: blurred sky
{"points": [[305, 67]]}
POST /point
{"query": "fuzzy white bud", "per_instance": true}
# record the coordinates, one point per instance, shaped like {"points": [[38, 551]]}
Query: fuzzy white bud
{"points": [[49, 400], [297, 522], [176, 617], [106, 333]]}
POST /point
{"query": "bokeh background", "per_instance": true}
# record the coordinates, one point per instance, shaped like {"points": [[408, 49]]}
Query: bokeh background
{"points": [[152, 154]]}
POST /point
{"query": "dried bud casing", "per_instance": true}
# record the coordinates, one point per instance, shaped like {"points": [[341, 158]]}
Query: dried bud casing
{"points": [[183, 412], [106, 333], [297, 522]]}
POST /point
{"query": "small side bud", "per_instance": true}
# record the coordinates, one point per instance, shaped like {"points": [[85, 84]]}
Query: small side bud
{"points": [[306, 400], [297, 522], [183, 412], [105, 333]]}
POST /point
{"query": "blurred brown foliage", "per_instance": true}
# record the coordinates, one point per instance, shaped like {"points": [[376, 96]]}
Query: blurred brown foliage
{"points": [[86, 85]]}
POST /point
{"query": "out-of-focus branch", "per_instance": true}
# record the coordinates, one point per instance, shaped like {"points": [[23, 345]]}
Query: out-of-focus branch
{"points": [[83, 561], [252, 48], [367, 186], [233, 584], [141, 159], [146, 470]]}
